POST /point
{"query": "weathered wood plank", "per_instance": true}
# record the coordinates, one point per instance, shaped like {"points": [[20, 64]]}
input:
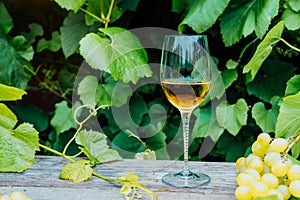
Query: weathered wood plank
{"points": [[41, 181]]}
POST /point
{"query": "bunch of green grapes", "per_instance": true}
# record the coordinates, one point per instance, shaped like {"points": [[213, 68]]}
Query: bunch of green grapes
{"points": [[268, 171]]}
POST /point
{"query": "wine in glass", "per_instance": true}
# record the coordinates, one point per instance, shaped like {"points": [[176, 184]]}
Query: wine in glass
{"points": [[185, 79]]}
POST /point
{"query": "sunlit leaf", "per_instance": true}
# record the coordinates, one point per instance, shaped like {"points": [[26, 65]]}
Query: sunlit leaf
{"points": [[74, 5], [63, 118], [264, 49], [87, 90], [271, 79], [288, 122], [295, 5], [291, 19], [122, 55], [292, 86], [235, 116], [95, 146], [231, 64], [241, 18], [77, 172], [17, 145], [8, 93], [266, 118], [54, 44]]}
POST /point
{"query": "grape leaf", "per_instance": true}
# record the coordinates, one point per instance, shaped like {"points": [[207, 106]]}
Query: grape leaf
{"points": [[72, 31], [229, 76], [17, 145], [8, 93], [15, 55], [231, 64], [288, 122], [271, 79], [94, 145], [266, 119], [179, 5], [295, 5], [235, 116], [207, 11], [122, 55], [6, 22], [264, 49], [74, 5], [63, 119], [293, 85], [35, 30], [206, 124], [241, 18], [291, 19], [77, 172], [87, 90], [54, 44]]}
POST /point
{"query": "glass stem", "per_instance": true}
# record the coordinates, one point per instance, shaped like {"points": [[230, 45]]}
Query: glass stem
{"points": [[185, 117]]}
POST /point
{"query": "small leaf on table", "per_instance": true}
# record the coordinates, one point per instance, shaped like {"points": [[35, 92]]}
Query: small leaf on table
{"points": [[17, 146], [77, 172]]}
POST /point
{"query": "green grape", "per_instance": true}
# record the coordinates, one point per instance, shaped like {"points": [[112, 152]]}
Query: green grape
{"points": [[271, 180], [294, 172], [4, 197], [284, 190], [256, 164], [295, 188], [240, 163], [264, 139], [271, 158], [279, 168], [243, 193], [259, 189], [279, 145], [266, 170], [255, 174], [258, 149], [244, 179], [276, 192]]}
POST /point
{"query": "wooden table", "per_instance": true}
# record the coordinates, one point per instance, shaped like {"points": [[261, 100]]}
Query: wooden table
{"points": [[41, 181]]}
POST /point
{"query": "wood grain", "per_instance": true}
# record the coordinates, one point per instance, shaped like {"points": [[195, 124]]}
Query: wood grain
{"points": [[41, 181]]}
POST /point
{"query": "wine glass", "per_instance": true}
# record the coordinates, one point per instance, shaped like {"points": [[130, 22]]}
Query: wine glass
{"points": [[185, 76]]}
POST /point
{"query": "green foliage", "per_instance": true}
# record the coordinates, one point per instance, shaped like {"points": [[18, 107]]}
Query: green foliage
{"points": [[71, 5], [109, 54], [63, 118], [208, 11], [54, 44], [232, 117], [94, 146], [241, 18], [266, 118], [77, 172], [264, 49], [17, 144], [8, 93]]}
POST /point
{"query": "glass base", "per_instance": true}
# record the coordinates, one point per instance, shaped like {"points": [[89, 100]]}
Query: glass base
{"points": [[186, 179]]}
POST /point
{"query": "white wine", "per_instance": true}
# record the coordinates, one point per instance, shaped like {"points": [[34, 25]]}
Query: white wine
{"points": [[185, 95]]}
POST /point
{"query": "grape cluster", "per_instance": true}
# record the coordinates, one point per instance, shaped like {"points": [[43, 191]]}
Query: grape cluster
{"points": [[267, 171]]}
